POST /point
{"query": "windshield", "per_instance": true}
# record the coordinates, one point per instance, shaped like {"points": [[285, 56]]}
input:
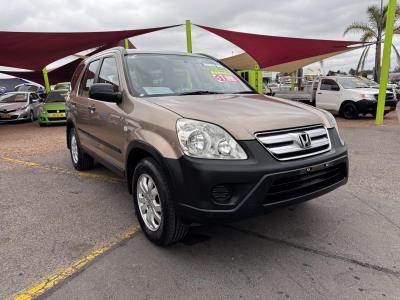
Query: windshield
{"points": [[56, 96], [62, 86], [165, 75], [26, 88], [351, 83], [12, 98]]}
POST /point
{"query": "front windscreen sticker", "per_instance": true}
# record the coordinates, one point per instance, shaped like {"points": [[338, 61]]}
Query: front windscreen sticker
{"points": [[225, 78], [220, 73], [154, 90]]}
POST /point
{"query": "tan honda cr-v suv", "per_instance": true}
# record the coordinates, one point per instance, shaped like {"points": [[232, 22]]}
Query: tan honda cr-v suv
{"points": [[195, 142]]}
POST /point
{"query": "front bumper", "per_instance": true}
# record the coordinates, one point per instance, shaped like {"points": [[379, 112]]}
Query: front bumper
{"points": [[368, 106], [213, 190], [14, 116]]}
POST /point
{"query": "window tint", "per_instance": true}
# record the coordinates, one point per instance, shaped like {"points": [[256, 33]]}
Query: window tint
{"points": [[328, 85], [88, 79], [109, 73]]}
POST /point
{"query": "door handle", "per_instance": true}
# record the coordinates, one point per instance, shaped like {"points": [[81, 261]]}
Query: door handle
{"points": [[319, 93], [92, 108]]}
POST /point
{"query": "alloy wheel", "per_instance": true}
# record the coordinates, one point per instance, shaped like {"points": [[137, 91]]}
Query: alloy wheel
{"points": [[74, 149], [149, 202]]}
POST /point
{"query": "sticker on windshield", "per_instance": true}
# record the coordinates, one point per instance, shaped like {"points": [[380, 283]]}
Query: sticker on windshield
{"points": [[154, 90], [20, 97], [225, 78]]}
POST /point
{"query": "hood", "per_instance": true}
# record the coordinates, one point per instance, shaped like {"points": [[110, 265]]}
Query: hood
{"points": [[54, 105], [243, 115], [7, 107], [369, 91]]}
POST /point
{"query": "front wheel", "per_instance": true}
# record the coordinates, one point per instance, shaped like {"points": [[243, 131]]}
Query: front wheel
{"points": [[31, 116], [349, 111], [81, 160], [154, 204]]}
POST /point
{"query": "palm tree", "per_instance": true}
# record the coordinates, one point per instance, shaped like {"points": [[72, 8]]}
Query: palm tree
{"points": [[373, 32]]}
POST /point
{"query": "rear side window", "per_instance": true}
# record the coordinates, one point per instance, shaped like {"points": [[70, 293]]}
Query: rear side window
{"points": [[109, 73], [328, 85], [88, 79]]}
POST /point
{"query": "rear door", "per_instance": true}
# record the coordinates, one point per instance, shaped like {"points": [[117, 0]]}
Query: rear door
{"points": [[328, 95], [106, 119], [80, 104]]}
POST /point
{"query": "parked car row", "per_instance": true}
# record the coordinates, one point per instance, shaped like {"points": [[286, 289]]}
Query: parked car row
{"points": [[29, 103]]}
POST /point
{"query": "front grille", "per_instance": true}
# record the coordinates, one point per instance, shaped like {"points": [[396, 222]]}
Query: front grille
{"points": [[388, 96], [57, 119], [293, 186], [287, 144], [53, 111]]}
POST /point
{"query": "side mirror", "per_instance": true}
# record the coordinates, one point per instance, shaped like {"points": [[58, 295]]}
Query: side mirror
{"points": [[104, 92]]}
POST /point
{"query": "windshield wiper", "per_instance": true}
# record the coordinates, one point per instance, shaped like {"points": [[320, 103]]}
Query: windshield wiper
{"points": [[198, 93]]}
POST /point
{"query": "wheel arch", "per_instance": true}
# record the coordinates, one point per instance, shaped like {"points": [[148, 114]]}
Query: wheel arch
{"points": [[136, 151], [69, 126]]}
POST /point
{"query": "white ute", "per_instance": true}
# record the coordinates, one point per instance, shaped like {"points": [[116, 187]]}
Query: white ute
{"points": [[348, 96]]}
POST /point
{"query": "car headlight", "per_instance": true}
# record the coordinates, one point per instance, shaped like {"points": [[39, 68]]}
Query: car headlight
{"points": [[22, 108], [333, 123], [368, 97], [204, 140]]}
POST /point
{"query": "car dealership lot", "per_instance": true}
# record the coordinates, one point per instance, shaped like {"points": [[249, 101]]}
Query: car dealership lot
{"points": [[345, 244]]}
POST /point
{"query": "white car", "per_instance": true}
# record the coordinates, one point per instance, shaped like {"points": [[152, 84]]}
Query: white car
{"points": [[348, 96], [19, 106]]}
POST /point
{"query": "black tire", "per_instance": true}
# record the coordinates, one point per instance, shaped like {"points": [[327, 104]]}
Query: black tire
{"points": [[31, 116], [349, 111], [42, 124], [171, 229], [83, 161]]}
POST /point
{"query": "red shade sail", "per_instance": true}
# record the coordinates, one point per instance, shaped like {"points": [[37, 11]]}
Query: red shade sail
{"points": [[269, 51], [63, 73], [35, 50]]}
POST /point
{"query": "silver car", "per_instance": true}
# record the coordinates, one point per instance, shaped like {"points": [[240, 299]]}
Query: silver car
{"points": [[17, 106]]}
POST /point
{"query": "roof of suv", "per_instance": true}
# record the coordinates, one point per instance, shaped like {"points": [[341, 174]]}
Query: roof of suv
{"points": [[136, 51]]}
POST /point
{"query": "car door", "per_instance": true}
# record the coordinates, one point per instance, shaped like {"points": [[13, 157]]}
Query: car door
{"points": [[80, 105], [328, 95], [106, 118]]}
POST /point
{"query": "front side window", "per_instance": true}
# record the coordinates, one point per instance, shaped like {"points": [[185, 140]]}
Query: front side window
{"points": [[329, 85], [88, 79], [166, 74], [109, 73]]}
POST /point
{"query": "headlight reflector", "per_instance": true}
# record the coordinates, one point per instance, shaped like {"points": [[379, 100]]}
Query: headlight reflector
{"points": [[368, 97], [204, 140]]}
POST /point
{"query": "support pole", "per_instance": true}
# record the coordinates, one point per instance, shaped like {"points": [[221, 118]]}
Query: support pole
{"points": [[258, 79], [292, 81], [380, 109], [46, 80], [189, 36], [126, 43]]}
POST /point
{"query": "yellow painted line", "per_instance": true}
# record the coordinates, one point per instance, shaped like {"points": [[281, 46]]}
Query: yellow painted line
{"points": [[55, 279], [61, 170], [21, 162]]}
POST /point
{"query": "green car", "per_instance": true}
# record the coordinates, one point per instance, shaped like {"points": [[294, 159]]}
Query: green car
{"points": [[52, 110]]}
